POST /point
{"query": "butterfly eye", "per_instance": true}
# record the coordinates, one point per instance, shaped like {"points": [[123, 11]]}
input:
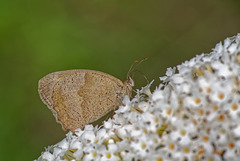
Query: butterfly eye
{"points": [[130, 81]]}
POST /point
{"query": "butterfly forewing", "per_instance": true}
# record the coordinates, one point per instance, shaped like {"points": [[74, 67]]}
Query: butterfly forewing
{"points": [[78, 97]]}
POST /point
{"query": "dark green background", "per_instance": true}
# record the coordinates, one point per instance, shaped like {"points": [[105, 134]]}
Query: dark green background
{"points": [[42, 36]]}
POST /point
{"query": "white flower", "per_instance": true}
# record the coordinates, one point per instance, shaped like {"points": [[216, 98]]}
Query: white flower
{"points": [[47, 156]]}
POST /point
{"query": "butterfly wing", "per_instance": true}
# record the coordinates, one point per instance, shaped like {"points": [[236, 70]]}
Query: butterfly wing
{"points": [[78, 97]]}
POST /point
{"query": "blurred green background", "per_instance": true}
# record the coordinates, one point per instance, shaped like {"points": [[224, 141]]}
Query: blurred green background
{"points": [[43, 36]]}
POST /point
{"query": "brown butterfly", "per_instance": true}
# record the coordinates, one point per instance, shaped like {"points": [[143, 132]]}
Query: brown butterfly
{"points": [[79, 97]]}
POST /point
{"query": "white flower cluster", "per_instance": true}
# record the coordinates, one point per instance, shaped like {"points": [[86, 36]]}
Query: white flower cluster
{"points": [[194, 115]]}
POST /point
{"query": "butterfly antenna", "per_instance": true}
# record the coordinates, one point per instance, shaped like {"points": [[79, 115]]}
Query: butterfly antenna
{"points": [[143, 75], [133, 67], [130, 69]]}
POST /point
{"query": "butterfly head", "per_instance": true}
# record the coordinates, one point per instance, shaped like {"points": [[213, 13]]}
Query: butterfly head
{"points": [[128, 84]]}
